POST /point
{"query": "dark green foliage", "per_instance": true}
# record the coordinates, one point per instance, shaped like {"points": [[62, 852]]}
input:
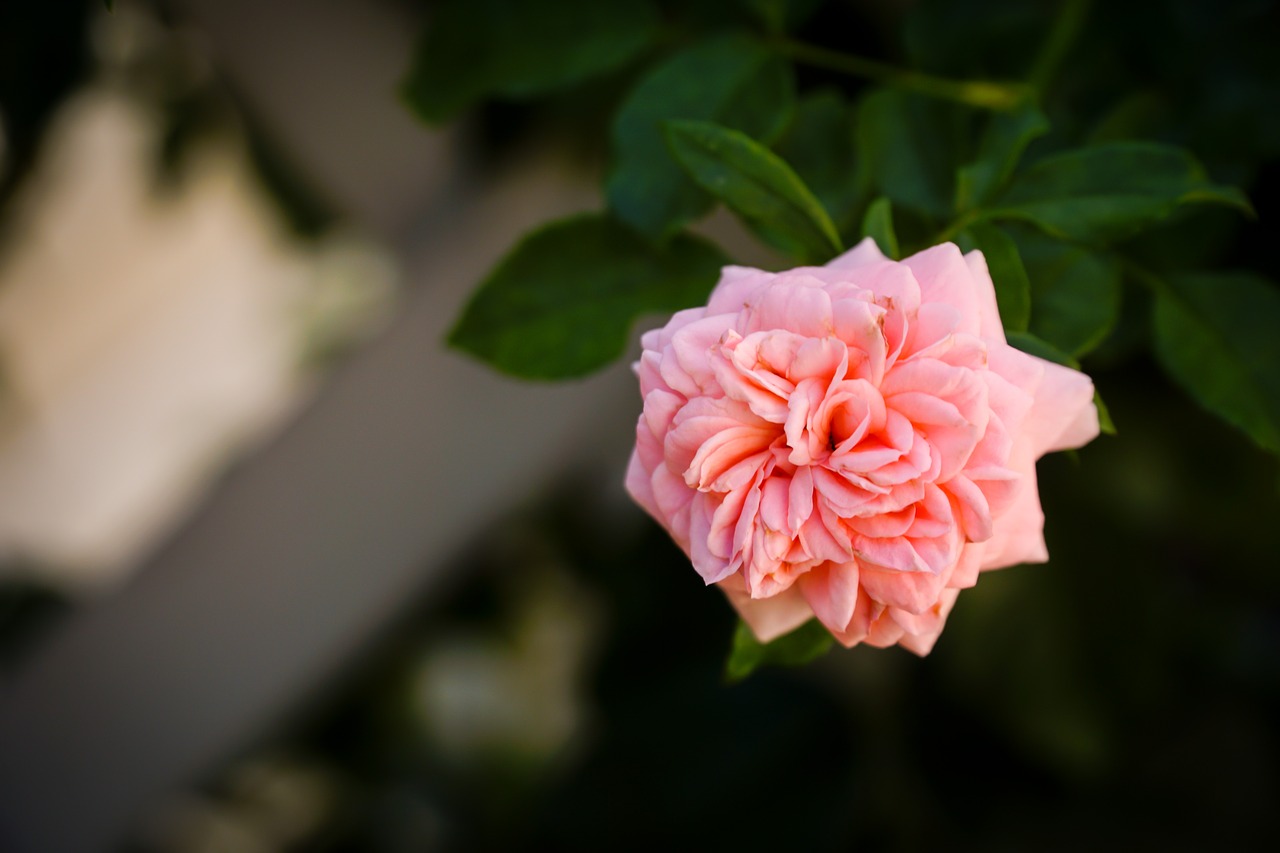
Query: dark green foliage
{"points": [[1032, 345], [476, 49], [1013, 288], [1053, 232], [819, 145], [1006, 136], [758, 186], [994, 39], [808, 642], [779, 16], [1075, 292], [1056, 228], [732, 80], [878, 225], [561, 303], [911, 146], [1109, 192], [1218, 336], [1105, 423]]}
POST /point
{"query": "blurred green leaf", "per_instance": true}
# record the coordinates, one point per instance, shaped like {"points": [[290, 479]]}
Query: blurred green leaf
{"points": [[1218, 336], [1007, 135], [758, 186], [878, 225], [734, 81], [1032, 345], [475, 49], [1105, 423], [1109, 192], [819, 145], [1013, 289], [1075, 292], [910, 146], [991, 39], [811, 640], [1136, 115], [780, 16], [561, 303]]}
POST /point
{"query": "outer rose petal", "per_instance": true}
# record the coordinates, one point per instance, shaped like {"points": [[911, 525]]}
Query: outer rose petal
{"points": [[866, 252], [1018, 535], [768, 618], [989, 311], [1063, 415], [945, 277], [922, 643], [737, 289], [832, 593], [638, 485]]}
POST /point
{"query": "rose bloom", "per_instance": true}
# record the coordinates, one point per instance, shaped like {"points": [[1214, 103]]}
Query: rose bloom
{"points": [[854, 442]]}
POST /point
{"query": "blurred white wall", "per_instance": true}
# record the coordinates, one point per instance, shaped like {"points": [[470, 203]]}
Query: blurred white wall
{"points": [[145, 337]]}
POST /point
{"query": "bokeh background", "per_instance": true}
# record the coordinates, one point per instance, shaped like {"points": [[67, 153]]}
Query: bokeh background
{"points": [[279, 572]]}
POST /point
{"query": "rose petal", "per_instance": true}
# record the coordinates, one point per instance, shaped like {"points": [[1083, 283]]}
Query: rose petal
{"points": [[768, 618], [922, 642], [990, 326], [1063, 415], [1018, 534], [944, 276], [831, 591], [866, 252], [737, 289]]}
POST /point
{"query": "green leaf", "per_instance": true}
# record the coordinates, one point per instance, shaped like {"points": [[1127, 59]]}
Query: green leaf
{"points": [[561, 303], [780, 16], [1013, 288], [1109, 192], [811, 640], [819, 145], [1032, 345], [1105, 423], [1217, 336], [1075, 292], [476, 49], [1006, 137], [758, 186], [732, 80], [878, 225], [910, 147], [1137, 115], [991, 39]]}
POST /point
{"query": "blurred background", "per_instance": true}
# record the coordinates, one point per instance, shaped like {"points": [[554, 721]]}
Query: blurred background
{"points": [[279, 572]]}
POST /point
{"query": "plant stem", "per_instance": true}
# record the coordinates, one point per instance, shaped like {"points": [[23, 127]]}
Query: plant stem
{"points": [[976, 93]]}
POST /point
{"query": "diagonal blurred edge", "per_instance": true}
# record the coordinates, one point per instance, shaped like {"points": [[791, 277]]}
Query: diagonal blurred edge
{"points": [[311, 543]]}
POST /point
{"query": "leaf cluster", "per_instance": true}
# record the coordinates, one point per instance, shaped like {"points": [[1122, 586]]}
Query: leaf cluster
{"points": [[1081, 216]]}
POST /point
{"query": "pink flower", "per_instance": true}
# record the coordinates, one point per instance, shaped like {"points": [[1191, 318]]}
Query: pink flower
{"points": [[854, 442]]}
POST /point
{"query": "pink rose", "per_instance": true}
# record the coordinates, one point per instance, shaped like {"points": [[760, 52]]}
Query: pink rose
{"points": [[853, 442]]}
